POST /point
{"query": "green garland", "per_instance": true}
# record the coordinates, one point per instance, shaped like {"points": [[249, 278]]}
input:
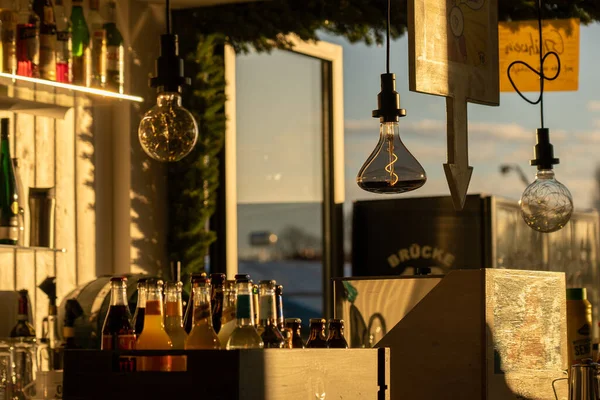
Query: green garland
{"points": [[263, 26]]}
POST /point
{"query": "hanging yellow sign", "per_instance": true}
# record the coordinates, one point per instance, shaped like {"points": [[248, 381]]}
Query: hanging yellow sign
{"points": [[519, 41]]}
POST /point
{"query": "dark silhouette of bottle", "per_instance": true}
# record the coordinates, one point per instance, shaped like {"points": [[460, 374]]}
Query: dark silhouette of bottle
{"points": [[279, 307], [336, 339], [23, 329], [295, 324], [188, 318], [269, 333], [118, 332], [140, 308], [9, 194], [316, 339], [47, 62], [216, 299]]}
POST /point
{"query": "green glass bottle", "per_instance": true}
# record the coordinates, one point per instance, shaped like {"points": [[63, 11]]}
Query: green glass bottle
{"points": [[115, 72], [82, 55], [9, 198]]}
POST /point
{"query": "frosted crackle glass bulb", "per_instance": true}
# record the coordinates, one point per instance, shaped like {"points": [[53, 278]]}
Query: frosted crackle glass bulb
{"points": [[391, 168], [546, 204], [168, 132]]}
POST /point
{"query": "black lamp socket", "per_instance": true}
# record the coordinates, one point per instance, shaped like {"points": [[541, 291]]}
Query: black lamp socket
{"points": [[169, 66], [544, 151], [388, 101]]}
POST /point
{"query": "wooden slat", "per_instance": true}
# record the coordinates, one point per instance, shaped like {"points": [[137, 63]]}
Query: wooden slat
{"points": [[85, 198], [65, 225], [7, 270]]}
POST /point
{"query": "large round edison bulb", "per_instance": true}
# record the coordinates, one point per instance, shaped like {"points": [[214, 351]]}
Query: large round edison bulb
{"points": [[168, 132], [546, 204], [391, 168]]}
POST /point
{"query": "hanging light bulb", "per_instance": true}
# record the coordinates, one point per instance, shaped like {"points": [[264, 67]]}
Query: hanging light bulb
{"points": [[391, 168], [168, 132], [546, 204]]}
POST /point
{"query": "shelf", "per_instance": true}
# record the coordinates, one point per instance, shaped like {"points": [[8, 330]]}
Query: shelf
{"points": [[47, 98], [4, 247], [196, 3]]}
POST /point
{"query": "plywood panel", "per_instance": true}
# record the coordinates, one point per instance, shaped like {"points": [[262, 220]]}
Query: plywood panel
{"points": [[25, 152], [85, 199], [7, 270], [65, 226]]}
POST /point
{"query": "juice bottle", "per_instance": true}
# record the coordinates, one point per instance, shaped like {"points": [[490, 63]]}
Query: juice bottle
{"points": [[579, 325]]}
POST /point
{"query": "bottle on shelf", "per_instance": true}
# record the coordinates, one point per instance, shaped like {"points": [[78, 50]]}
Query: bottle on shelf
{"points": [[189, 310], [73, 311], [64, 45], [288, 337], [295, 325], [23, 329], [98, 45], [203, 335], [43, 352], [228, 320], [115, 51], [140, 308], [117, 331], [173, 315], [21, 201], [244, 336], [255, 314], [45, 11], [336, 339], [279, 304], [216, 299], [81, 51], [9, 196], [317, 339], [8, 35], [267, 329], [28, 40]]}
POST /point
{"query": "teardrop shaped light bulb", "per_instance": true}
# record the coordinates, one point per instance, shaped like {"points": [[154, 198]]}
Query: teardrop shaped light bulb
{"points": [[546, 204], [391, 168], [168, 132]]}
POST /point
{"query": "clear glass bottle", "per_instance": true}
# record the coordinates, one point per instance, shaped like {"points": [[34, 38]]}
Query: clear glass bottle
{"points": [[28, 40], [203, 335], [244, 336], [173, 314], [228, 321], [45, 11], [255, 304], [317, 339], [64, 45], [117, 331], [336, 339], [279, 304], [140, 308], [115, 51], [216, 299], [82, 53], [188, 318], [267, 328], [8, 34], [98, 45]]}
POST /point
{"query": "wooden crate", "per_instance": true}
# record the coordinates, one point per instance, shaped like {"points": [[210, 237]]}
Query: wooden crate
{"points": [[272, 374]]}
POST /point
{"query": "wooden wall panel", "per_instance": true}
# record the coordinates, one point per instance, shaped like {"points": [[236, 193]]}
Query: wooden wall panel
{"points": [[7, 270]]}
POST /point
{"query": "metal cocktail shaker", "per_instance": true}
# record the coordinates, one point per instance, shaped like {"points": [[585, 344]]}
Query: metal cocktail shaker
{"points": [[583, 381], [41, 211]]}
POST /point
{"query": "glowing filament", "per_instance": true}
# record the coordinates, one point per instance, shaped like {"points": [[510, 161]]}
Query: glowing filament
{"points": [[393, 158]]}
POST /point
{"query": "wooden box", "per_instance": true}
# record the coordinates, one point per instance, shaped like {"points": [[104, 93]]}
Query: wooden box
{"points": [[271, 374], [475, 334]]}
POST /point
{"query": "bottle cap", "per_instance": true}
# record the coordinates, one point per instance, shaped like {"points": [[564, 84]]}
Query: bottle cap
{"points": [[118, 279], [142, 282], [293, 321], [576, 294], [217, 279], [279, 290], [317, 321], [242, 278], [267, 282]]}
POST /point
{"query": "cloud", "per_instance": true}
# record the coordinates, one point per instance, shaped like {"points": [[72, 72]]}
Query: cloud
{"points": [[596, 123], [593, 105]]}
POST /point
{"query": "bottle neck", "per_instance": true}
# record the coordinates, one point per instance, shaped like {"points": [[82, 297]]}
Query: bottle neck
{"points": [[23, 312], [267, 310], [118, 294], [202, 310], [142, 295], [317, 331], [174, 305], [279, 307], [336, 333]]}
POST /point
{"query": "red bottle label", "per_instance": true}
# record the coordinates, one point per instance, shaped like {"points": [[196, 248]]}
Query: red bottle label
{"points": [[124, 342]]}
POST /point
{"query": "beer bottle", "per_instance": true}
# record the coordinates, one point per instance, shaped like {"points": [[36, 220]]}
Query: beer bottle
{"points": [[189, 314], [117, 332], [269, 333], [23, 328], [228, 318], [295, 324], [216, 299], [154, 336], [244, 336], [336, 339], [203, 335], [279, 303], [173, 319], [288, 336], [256, 308], [316, 339], [140, 309]]}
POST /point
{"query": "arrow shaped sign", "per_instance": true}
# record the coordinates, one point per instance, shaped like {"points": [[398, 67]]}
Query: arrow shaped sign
{"points": [[453, 52], [458, 172]]}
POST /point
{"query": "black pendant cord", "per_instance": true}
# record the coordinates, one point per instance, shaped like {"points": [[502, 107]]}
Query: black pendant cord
{"points": [[168, 16], [540, 73], [389, 22]]}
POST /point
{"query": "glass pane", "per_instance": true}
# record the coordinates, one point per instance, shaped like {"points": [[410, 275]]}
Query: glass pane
{"points": [[279, 175]]}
